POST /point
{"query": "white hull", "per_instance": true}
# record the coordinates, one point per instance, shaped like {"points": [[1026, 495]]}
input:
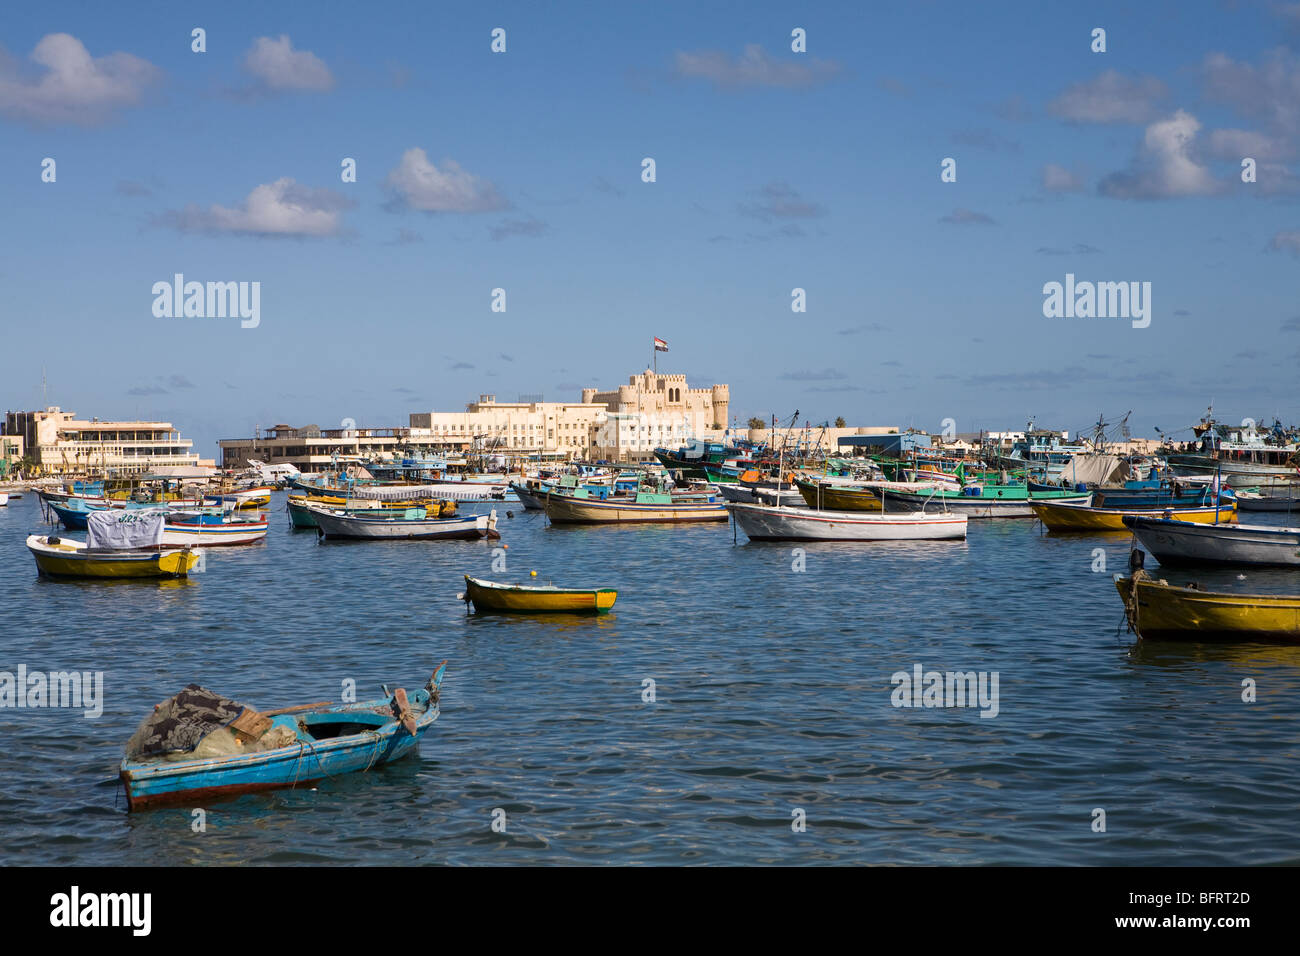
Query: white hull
{"points": [[212, 535], [1184, 542], [335, 524], [789, 524]]}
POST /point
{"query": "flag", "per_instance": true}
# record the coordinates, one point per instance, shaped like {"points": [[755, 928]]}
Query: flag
{"points": [[660, 345]]}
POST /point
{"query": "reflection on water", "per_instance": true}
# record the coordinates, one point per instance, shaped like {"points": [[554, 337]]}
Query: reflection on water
{"points": [[772, 691]]}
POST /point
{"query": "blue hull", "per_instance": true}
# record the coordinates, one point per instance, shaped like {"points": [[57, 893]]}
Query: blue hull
{"points": [[316, 755], [72, 518]]}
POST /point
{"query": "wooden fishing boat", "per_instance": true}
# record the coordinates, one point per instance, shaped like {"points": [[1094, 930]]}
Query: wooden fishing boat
{"points": [[1064, 516], [979, 501], [1157, 499], [205, 530], [763, 523], [837, 496], [1176, 542], [60, 557], [1159, 611], [526, 492], [182, 529], [1276, 497], [412, 524], [300, 515], [536, 599], [289, 748], [259, 497], [643, 507], [439, 491]]}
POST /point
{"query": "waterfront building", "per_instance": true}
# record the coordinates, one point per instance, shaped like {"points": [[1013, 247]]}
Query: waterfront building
{"points": [[667, 397], [60, 443], [11, 454], [310, 447], [534, 429], [628, 423]]}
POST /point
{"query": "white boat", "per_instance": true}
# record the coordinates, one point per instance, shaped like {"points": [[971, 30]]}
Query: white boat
{"points": [[4, 499], [205, 529], [763, 523], [1175, 542], [1276, 497], [410, 524]]}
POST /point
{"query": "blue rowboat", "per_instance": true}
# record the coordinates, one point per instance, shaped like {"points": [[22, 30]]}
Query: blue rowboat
{"points": [[320, 740]]}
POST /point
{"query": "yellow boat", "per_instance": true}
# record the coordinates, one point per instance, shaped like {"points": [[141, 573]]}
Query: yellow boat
{"points": [[60, 557], [1158, 610], [1078, 517], [836, 497], [534, 599]]}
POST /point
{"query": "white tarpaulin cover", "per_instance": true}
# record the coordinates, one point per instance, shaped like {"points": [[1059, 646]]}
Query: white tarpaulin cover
{"points": [[1091, 469], [125, 528]]}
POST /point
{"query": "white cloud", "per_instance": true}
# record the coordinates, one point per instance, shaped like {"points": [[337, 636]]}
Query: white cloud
{"points": [[1286, 241], [1164, 167], [1270, 91], [1058, 179], [72, 86], [278, 66], [754, 68], [1110, 98], [281, 208], [418, 184], [1235, 144]]}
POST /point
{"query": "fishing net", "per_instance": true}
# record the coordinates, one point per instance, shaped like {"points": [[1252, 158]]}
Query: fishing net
{"points": [[182, 722]]}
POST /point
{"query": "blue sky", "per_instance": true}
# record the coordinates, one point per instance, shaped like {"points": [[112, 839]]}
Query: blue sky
{"points": [[775, 170]]}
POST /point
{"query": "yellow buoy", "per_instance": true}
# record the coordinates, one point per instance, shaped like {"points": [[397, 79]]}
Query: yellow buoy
{"points": [[533, 573]]}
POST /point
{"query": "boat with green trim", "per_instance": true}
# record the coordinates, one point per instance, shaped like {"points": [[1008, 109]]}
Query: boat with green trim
{"points": [[536, 599], [979, 501]]}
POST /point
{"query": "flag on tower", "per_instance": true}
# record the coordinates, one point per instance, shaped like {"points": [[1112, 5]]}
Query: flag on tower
{"points": [[660, 345]]}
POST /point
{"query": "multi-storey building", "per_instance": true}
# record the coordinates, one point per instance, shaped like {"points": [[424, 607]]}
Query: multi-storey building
{"points": [[60, 443], [627, 423]]}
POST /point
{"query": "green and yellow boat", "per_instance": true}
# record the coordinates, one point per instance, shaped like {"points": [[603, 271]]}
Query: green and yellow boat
{"points": [[536, 599], [832, 496]]}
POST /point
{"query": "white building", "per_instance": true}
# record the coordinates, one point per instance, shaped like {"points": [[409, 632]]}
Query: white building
{"points": [[61, 443]]}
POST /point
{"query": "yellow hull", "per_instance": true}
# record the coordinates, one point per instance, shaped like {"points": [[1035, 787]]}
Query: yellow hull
{"points": [[833, 498], [1062, 517], [1158, 610], [66, 560], [531, 600]]}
